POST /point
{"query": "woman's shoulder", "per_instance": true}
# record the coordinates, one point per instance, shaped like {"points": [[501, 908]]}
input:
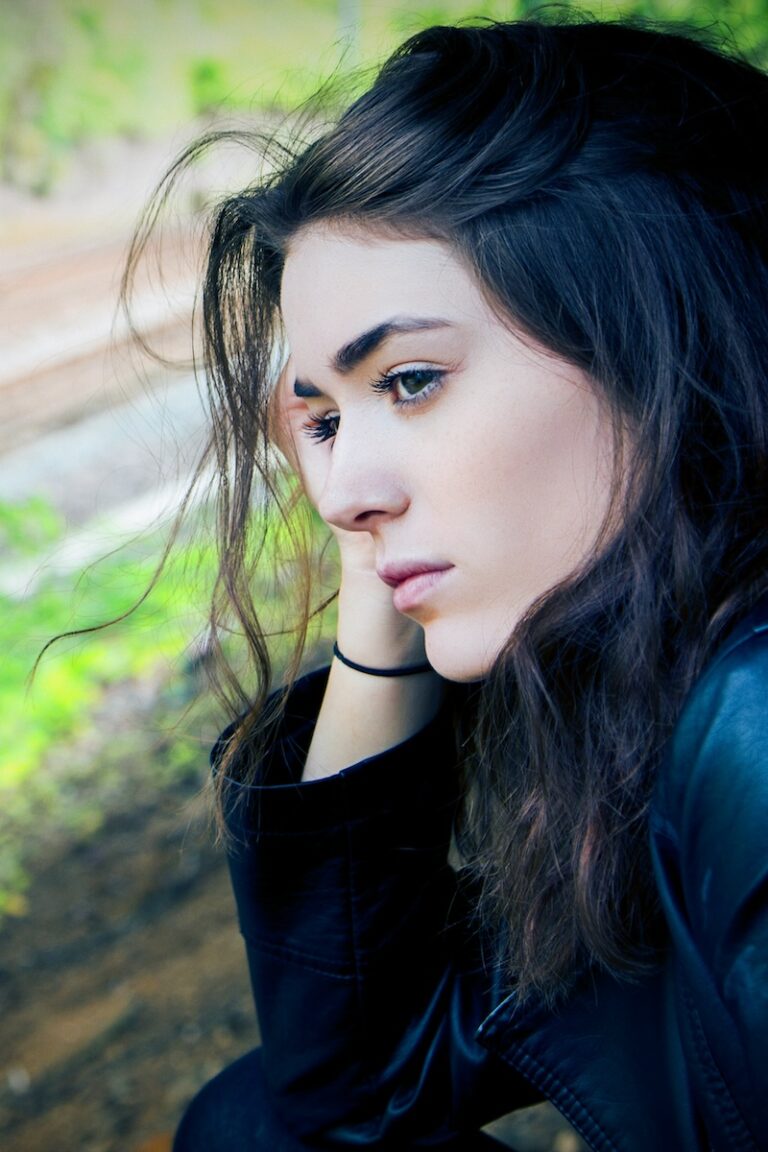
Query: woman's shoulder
{"points": [[711, 796], [708, 822]]}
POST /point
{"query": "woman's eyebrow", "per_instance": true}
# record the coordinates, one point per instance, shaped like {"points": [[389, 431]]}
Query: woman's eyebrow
{"points": [[350, 355]]}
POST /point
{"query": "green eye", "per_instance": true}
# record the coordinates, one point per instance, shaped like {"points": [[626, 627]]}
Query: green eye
{"points": [[415, 380], [409, 386]]}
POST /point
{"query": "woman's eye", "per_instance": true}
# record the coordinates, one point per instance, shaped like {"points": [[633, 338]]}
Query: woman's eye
{"points": [[413, 381], [406, 385], [409, 384], [322, 428]]}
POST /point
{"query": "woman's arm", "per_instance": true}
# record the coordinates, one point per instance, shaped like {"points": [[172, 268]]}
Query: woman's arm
{"points": [[363, 715], [368, 976], [710, 840]]}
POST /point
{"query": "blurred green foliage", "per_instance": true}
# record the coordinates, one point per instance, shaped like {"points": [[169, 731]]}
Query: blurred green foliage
{"points": [[36, 795], [103, 700], [75, 70]]}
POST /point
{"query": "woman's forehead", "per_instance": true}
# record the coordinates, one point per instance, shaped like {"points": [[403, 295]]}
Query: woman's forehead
{"points": [[337, 285], [331, 250]]}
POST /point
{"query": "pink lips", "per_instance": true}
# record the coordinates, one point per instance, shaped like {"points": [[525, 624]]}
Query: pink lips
{"points": [[411, 582]]}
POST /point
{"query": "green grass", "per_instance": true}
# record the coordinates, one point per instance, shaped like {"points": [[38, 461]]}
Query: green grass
{"points": [[44, 729], [118, 696]]}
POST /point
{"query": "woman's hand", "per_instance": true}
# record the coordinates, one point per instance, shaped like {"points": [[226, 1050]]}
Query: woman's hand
{"points": [[361, 714]]}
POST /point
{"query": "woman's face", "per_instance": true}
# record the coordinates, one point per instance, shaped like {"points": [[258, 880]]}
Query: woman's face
{"points": [[456, 445]]}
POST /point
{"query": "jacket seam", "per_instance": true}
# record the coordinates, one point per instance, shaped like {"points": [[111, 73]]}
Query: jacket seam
{"points": [[574, 1110], [286, 952], [375, 816], [735, 1124]]}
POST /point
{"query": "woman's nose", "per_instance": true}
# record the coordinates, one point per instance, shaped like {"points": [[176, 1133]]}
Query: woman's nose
{"points": [[362, 488]]}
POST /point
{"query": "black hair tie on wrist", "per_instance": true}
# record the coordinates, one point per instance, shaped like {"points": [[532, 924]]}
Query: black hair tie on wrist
{"points": [[406, 670]]}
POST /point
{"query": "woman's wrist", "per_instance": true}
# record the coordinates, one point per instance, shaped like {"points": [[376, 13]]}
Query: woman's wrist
{"points": [[370, 631], [362, 716], [417, 669]]}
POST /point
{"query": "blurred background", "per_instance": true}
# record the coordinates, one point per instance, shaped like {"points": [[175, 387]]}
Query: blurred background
{"points": [[122, 978]]}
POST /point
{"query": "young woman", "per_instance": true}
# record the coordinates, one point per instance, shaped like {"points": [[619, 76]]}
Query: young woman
{"points": [[507, 321]]}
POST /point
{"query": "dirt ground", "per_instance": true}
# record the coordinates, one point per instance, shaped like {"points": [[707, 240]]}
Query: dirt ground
{"points": [[124, 988]]}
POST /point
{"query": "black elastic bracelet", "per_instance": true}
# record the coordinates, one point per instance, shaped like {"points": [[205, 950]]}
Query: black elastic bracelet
{"points": [[407, 670]]}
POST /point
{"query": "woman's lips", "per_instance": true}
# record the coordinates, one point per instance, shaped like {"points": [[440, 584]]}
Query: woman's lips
{"points": [[415, 589], [412, 582]]}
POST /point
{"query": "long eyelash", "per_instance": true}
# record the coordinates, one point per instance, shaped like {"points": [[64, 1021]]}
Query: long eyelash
{"points": [[387, 383], [384, 383], [321, 428]]}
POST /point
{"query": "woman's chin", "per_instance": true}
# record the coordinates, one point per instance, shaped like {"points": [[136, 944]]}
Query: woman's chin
{"points": [[455, 658]]}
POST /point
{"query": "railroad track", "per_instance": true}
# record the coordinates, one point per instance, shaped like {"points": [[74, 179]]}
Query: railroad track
{"points": [[104, 436], [65, 352]]}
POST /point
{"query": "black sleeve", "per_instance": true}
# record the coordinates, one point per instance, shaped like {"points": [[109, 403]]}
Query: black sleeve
{"points": [[368, 977], [711, 857]]}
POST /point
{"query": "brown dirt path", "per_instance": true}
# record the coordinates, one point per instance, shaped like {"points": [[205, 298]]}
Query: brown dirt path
{"points": [[123, 989]]}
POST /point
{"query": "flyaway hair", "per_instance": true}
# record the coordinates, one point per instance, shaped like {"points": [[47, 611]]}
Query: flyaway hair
{"points": [[606, 184]]}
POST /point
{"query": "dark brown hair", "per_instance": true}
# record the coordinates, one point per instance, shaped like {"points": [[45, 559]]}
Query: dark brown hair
{"points": [[606, 183]]}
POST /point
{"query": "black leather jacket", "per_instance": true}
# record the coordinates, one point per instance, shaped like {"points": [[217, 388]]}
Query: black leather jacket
{"points": [[380, 1022]]}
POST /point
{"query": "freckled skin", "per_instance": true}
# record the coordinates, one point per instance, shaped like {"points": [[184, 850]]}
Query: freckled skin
{"points": [[502, 471]]}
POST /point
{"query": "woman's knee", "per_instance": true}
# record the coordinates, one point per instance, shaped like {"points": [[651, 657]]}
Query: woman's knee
{"points": [[231, 1113]]}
